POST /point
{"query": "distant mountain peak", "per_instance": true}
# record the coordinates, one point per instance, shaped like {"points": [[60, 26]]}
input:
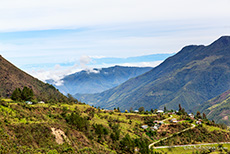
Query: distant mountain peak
{"points": [[222, 41], [194, 75]]}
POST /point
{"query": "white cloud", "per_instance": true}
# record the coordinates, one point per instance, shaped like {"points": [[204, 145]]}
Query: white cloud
{"points": [[57, 73], [17, 15], [142, 64]]}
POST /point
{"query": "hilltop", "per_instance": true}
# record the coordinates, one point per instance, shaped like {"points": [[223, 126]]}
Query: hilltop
{"points": [[12, 77], [193, 76]]}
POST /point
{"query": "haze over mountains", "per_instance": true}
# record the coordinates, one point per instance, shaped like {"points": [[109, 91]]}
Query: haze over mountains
{"points": [[194, 75], [97, 80]]}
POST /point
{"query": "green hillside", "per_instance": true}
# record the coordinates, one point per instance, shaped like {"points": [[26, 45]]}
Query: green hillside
{"points": [[79, 128], [191, 77], [11, 78], [218, 108]]}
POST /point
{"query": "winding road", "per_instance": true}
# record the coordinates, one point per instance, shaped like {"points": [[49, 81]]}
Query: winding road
{"points": [[150, 145], [190, 145]]}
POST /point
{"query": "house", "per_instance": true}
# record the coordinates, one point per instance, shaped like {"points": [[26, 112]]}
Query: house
{"points": [[174, 120], [199, 122], [191, 115], [160, 111], [154, 128], [41, 102], [158, 122], [29, 102], [144, 126]]}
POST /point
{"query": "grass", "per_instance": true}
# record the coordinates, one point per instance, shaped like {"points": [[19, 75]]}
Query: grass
{"points": [[7, 100], [193, 149], [212, 128]]}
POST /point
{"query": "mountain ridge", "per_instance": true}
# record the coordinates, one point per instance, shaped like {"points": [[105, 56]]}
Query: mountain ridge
{"points": [[12, 77], [98, 80], [194, 75]]}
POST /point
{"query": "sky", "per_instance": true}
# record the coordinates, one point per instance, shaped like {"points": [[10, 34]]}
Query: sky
{"points": [[53, 38]]}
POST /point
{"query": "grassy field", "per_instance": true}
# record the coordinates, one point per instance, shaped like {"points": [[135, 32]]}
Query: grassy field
{"points": [[193, 149]]}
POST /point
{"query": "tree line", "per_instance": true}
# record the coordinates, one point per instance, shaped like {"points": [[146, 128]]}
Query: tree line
{"points": [[26, 94]]}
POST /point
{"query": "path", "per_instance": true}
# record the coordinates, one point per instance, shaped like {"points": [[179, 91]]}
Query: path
{"points": [[190, 145], [167, 118], [193, 126]]}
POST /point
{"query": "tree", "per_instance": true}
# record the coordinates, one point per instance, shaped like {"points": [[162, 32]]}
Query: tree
{"points": [[127, 144], [180, 108], [131, 110], [71, 98], [204, 116], [165, 109], [141, 109], [198, 114], [152, 110], [27, 94], [16, 95]]}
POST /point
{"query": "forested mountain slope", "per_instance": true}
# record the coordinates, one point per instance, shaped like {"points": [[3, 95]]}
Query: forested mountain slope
{"points": [[217, 109], [98, 80], [194, 75]]}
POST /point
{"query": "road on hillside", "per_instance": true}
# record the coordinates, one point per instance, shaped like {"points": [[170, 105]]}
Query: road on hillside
{"points": [[150, 145], [168, 118], [190, 145]]}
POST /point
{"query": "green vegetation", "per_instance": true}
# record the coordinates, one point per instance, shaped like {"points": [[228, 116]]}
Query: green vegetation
{"points": [[218, 108], [193, 76], [25, 95], [80, 128], [197, 149], [28, 129]]}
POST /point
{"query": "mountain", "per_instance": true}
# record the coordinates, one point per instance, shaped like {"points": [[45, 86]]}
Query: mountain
{"points": [[98, 80], [217, 109], [194, 75], [11, 77]]}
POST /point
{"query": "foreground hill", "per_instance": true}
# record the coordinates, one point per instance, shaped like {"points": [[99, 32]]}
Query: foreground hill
{"points": [[79, 128], [11, 77], [98, 80], [191, 77], [218, 108]]}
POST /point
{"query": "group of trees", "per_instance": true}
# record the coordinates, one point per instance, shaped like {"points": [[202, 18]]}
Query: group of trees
{"points": [[22, 95]]}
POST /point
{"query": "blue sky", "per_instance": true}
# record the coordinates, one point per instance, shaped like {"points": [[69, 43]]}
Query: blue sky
{"points": [[49, 39]]}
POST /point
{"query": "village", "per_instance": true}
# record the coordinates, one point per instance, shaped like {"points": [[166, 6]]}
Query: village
{"points": [[173, 118]]}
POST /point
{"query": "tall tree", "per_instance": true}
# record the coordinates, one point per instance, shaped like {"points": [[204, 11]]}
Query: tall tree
{"points": [[27, 94], [141, 109], [165, 109], [16, 95]]}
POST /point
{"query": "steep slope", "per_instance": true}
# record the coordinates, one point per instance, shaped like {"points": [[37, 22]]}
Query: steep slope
{"points": [[98, 80], [11, 77], [217, 109], [191, 77]]}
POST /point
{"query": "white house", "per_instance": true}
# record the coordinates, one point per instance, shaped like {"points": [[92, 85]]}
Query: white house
{"points": [[144, 126], [29, 102], [160, 111], [41, 102], [174, 120]]}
